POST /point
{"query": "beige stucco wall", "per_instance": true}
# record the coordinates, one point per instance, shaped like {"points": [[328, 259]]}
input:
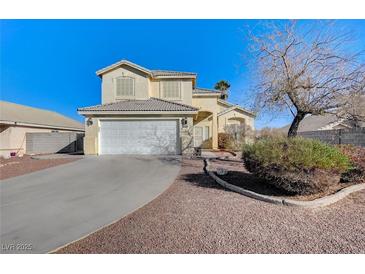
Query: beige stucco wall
{"points": [[205, 103], [91, 136], [141, 83], [186, 86], [12, 138], [211, 103], [145, 87]]}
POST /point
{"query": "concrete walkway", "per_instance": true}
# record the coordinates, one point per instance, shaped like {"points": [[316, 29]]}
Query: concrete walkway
{"points": [[47, 209]]}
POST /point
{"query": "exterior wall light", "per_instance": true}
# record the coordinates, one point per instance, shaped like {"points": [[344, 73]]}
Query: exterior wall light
{"points": [[184, 122], [89, 122]]}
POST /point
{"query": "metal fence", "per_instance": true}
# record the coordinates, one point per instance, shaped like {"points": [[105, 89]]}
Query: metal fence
{"points": [[353, 136]]}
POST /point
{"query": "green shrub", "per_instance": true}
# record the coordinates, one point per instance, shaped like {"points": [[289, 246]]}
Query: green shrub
{"points": [[296, 165]]}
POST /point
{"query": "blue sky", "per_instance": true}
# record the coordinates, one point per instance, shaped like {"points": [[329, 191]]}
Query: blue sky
{"points": [[51, 64]]}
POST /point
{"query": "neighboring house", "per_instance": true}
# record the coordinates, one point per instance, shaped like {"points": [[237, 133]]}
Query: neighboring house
{"points": [[17, 120], [155, 112], [322, 122]]}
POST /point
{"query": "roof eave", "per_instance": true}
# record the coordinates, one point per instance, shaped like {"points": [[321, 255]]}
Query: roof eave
{"points": [[118, 112], [237, 108], [207, 94], [102, 71], [174, 77]]}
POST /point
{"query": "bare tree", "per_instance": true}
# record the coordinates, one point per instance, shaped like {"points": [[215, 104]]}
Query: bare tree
{"points": [[308, 69]]}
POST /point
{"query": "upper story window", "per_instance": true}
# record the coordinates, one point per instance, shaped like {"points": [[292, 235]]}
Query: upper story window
{"points": [[171, 90], [125, 87]]}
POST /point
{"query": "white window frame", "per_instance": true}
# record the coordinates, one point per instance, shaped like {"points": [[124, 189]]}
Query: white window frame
{"points": [[162, 90], [116, 88]]}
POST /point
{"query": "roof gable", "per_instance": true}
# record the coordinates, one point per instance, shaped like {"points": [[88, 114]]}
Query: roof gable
{"points": [[236, 108], [121, 63], [152, 73]]}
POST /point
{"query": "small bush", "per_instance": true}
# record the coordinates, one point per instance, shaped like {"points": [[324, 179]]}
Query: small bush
{"points": [[296, 165], [224, 140]]}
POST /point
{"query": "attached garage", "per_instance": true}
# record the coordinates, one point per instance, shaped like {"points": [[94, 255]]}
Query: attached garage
{"points": [[139, 137], [138, 127]]}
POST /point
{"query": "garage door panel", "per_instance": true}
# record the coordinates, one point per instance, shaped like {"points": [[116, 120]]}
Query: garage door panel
{"points": [[138, 137]]}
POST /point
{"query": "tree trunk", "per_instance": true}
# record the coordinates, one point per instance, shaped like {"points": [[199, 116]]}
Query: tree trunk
{"points": [[295, 124]]}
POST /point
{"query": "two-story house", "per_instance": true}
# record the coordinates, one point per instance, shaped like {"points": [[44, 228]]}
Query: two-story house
{"points": [[147, 111]]}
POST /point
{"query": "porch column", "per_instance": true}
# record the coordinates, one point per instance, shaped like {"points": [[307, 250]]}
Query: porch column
{"points": [[214, 131]]}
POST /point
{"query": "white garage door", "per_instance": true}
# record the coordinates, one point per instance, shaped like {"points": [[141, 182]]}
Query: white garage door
{"points": [[139, 137]]}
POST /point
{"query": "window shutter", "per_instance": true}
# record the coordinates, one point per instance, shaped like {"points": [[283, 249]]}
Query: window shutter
{"points": [[171, 89], [125, 87]]}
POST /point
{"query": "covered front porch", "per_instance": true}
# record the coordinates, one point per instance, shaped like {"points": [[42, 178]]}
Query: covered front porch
{"points": [[207, 126]]}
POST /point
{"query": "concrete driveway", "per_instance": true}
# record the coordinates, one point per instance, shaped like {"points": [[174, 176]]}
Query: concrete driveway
{"points": [[47, 209]]}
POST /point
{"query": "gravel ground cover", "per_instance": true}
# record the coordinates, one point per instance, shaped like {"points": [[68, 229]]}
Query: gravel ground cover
{"points": [[195, 215], [22, 165]]}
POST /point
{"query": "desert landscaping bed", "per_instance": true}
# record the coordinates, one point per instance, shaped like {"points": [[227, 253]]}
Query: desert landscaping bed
{"points": [[196, 215], [22, 165], [238, 175]]}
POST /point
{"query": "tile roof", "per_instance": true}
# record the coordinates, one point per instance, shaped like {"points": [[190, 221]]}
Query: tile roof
{"points": [[10, 112], [156, 73], [151, 104], [153, 73], [205, 90]]}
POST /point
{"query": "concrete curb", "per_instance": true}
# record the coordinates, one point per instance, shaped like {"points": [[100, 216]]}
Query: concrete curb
{"points": [[320, 202]]}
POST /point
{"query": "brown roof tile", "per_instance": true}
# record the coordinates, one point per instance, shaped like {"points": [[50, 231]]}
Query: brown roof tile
{"points": [[151, 104]]}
